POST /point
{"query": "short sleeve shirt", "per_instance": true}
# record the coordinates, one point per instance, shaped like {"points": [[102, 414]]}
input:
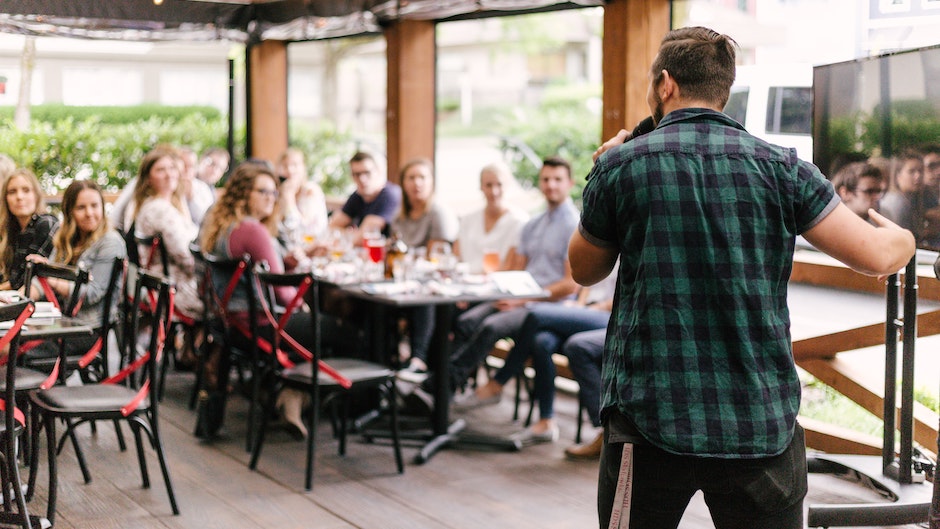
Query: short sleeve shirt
{"points": [[35, 238], [704, 215], [544, 242], [437, 224], [385, 205]]}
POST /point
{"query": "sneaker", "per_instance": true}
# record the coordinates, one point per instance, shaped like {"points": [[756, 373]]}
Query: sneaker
{"points": [[470, 400], [528, 437], [586, 451], [413, 374]]}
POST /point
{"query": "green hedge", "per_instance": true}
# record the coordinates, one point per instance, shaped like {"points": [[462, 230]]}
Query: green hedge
{"points": [[55, 112], [108, 148]]}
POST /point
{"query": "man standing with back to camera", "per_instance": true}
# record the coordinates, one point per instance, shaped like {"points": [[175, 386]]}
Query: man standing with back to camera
{"points": [[700, 390]]}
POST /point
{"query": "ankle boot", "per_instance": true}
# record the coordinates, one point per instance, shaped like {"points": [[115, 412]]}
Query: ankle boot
{"points": [[590, 450], [290, 404]]}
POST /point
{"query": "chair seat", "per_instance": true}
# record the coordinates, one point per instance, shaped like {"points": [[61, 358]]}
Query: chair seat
{"points": [[26, 378], [357, 371], [103, 398]]}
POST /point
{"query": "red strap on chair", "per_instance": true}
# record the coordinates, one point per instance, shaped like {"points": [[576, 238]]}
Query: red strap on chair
{"points": [[281, 323], [50, 295], [161, 329], [92, 353], [17, 414], [17, 325]]}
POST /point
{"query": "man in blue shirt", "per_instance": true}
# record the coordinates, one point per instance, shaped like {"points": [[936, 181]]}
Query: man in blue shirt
{"points": [[700, 390], [374, 203], [542, 251]]}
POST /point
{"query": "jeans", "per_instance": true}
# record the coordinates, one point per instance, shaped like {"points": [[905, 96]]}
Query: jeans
{"points": [[545, 328], [585, 351], [421, 321], [477, 331]]}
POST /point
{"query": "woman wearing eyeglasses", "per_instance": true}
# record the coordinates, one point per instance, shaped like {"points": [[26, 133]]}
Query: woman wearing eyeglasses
{"points": [[159, 208], [245, 221]]}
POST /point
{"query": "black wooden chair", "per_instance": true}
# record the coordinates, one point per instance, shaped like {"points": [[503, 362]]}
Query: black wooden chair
{"points": [[231, 279], [154, 257], [14, 512], [336, 380], [128, 395]]}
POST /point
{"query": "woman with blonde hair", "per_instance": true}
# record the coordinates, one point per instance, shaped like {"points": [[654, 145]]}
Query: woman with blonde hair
{"points": [[159, 208], [303, 204], [85, 239], [25, 227]]}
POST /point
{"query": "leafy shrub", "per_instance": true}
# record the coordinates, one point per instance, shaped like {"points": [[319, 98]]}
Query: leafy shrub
{"points": [[108, 148], [55, 112], [563, 125]]}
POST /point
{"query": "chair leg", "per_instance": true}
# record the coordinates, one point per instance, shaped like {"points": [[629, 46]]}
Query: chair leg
{"points": [[396, 437], [119, 432], [344, 420], [141, 459], [34, 426], [313, 419], [52, 495], [157, 443], [79, 455], [581, 412], [259, 436]]}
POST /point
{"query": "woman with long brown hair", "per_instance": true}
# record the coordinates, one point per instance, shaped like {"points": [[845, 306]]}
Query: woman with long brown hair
{"points": [[85, 239], [160, 208], [25, 226], [245, 221]]}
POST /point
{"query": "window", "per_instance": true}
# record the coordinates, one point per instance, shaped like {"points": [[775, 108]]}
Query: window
{"points": [[736, 107], [789, 110]]}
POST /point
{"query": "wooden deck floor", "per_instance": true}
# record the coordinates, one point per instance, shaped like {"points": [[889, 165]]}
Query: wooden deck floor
{"points": [[535, 488]]}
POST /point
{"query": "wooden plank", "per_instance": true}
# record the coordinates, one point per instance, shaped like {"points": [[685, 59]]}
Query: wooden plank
{"points": [[865, 386], [838, 440], [827, 346]]}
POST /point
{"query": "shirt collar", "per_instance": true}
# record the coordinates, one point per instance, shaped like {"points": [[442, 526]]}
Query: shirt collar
{"points": [[698, 114]]}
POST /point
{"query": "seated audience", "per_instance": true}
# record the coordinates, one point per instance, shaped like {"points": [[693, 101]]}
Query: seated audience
{"points": [[158, 208], [860, 185], [25, 227], [373, 205], [87, 240], [551, 328], [422, 222], [542, 250], [245, 221], [493, 229], [212, 166], [199, 196], [902, 203], [303, 205]]}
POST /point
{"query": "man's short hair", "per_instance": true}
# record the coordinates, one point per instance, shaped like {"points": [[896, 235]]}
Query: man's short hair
{"points": [[362, 156], [850, 174], [701, 60], [557, 161]]}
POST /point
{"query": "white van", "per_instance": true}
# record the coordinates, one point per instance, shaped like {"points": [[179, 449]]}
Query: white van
{"points": [[775, 103]]}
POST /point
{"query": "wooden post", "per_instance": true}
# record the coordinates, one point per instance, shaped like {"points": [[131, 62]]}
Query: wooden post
{"points": [[410, 114], [267, 104], [633, 30]]}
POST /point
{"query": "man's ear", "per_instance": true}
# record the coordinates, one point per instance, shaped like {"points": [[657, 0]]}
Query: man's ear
{"points": [[668, 88]]}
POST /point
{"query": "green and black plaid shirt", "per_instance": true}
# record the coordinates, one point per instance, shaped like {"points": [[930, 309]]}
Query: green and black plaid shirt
{"points": [[704, 215]]}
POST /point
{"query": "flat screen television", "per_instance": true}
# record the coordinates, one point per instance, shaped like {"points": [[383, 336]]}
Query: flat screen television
{"points": [[875, 107]]}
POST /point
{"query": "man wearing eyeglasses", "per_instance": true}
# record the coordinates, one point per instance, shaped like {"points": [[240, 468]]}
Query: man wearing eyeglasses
{"points": [[860, 186]]}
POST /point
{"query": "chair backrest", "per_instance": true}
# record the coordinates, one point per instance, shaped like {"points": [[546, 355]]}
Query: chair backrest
{"points": [[43, 271], [307, 290], [142, 368], [108, 317], [12, 316], [155, 252], [231, 295]]}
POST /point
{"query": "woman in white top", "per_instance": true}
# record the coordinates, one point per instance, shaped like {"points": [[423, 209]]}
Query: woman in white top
{"points": [[303, 204], [159, 208], [496, 227]]}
